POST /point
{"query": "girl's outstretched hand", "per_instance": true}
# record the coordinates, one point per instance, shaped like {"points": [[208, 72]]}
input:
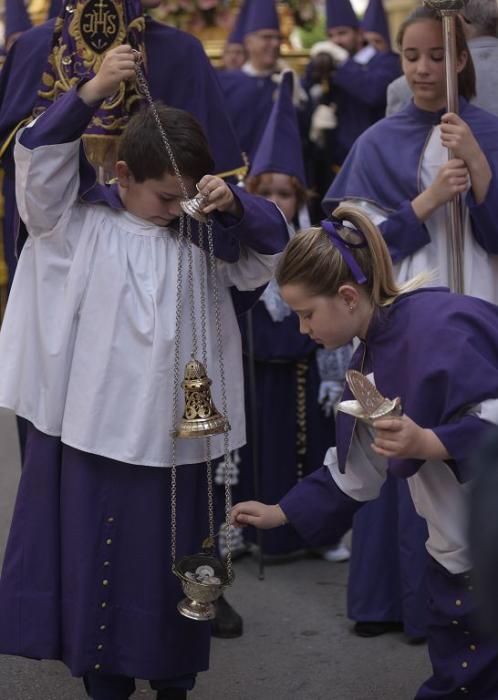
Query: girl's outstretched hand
{"points": [[402, 437], [257, 514]]}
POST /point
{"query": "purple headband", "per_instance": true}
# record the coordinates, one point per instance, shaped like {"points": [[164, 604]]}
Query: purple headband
{"points": [[344, 249]]}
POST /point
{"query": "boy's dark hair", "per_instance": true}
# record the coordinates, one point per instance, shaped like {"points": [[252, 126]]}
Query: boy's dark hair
{"points": [[142, 148]]}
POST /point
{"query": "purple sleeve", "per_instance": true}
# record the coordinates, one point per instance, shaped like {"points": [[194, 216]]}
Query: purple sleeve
{"points": [[483, 217], [457, 437], [318, 510], [64, 121], [403, 233], [262, 226], [367, 83]]}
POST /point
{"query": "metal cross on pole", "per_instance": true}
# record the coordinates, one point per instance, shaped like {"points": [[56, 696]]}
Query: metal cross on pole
{"points": [[449, 9]]}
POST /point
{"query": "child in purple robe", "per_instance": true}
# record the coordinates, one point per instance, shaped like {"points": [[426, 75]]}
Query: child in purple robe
{"points": [[287, 366], [292, 376], [438, 352], [398, 171], [88, 350], [295, 379]]}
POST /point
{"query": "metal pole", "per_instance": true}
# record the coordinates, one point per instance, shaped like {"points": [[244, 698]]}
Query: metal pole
{"points": [[251, 363], [448, 10], [454, 208]]}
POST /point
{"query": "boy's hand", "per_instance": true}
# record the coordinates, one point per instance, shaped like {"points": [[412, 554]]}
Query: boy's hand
{"points": [[258, 514], [218, 196], [118, 65], [402, 437]]}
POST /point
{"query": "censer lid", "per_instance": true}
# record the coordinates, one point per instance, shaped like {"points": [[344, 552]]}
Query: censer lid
{"points": [[195, 370], [369, 404]]}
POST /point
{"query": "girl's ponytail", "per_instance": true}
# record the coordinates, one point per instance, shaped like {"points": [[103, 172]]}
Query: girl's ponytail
{"points": [[314, 259]]}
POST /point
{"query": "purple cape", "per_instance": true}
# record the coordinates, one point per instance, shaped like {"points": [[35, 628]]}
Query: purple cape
{"points": [[383, 165], [438, 352]]}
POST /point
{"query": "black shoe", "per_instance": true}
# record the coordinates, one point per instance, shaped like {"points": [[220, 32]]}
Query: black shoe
{"points": [[228, 623], [415, 641], [375, 629], [172, 694]]}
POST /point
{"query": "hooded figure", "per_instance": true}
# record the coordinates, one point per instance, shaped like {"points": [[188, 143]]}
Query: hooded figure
{"points": [[234, 53], [358, 83], [375, 26], [279, 150], [18, 20], [340, 13], [287, 377], [249, 92]]}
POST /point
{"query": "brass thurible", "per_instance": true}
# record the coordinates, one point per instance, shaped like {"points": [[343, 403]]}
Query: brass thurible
{"points": [[200, 416]]}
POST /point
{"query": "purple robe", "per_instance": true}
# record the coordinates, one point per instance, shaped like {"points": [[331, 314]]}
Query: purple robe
{"points": [[287, 384], [359, 91], [249, 101], [87, 573], [386, 581], [439, 352], [359, 95]]}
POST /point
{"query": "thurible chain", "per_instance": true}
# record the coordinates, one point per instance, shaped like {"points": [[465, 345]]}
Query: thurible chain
{"points": [[211, 265]]}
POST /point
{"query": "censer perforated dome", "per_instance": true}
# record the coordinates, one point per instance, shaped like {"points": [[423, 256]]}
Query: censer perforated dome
{"points": [[200, 416]]}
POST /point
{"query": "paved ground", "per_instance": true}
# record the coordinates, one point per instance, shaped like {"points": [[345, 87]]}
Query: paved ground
{"points": [[297, 644]]}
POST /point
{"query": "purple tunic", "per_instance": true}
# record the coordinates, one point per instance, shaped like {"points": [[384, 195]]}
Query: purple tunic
{"points": [[439, 352], [87, 573]]}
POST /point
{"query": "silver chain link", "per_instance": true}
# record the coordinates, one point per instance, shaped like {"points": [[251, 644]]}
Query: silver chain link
{"points": [[190, 284], [210, 266], [209, 464], [142, 82], [224, 403], [176, 388]]}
